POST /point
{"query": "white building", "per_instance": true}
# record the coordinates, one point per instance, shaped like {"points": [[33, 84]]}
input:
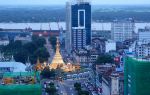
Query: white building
{"points": [[142, 50], [23, 39], [4, 42], [110, 46], [12, 67], [144, 34], [122, 30], [82, 57]]}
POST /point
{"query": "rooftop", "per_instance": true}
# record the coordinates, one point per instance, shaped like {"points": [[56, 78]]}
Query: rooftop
{"points": [[17, 66]]}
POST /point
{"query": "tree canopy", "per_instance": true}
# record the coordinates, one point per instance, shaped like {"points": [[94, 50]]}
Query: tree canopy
{"points": [[103, 59], [53, 41], [47, 73], [34, 49], [42, 54], [51, 89]]}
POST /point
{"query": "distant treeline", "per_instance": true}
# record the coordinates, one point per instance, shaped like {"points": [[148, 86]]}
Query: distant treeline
{"points": [[49, 15]]}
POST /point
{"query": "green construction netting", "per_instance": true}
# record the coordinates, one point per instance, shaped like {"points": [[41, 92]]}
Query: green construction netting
{"points": [[22, 74], [136, 77], [15, 74], [20, 89]]}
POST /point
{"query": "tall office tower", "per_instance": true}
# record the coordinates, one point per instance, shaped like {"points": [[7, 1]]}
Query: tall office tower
{"points": [[136, 76], [78, 26], [122, 30], [68, 27]]}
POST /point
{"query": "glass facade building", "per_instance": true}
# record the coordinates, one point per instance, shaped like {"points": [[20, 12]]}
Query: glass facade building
{"points": [[78, 25], [81, 24]]}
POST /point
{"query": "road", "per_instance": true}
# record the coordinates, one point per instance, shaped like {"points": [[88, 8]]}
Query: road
{"points": [[50, 50], [106, 89], [67, 86]]}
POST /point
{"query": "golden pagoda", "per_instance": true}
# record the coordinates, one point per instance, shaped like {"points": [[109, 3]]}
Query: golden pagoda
{"points": [[57, 60], [38, 65]]}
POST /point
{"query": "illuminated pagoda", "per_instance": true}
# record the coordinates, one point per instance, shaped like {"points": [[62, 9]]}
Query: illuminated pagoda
{"points": [[57, 60]]}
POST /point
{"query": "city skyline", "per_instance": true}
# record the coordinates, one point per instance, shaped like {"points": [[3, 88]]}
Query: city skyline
{"points": [[62, 2]]}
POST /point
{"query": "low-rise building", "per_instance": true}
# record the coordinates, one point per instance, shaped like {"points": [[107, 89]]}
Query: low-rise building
{"points": [[82, 56], [4, 42], [23, 39], [110, 46], [94, 55], [142, 50], [103, 45], [110, 81], [101, 34], [12, 67], [144, 34]]}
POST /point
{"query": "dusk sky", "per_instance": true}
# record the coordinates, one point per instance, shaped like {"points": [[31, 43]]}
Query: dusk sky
{"points": [[62, 2]]}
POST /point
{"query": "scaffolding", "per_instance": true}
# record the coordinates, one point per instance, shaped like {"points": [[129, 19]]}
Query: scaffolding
{"points": [[136, 77], [20, 89]]}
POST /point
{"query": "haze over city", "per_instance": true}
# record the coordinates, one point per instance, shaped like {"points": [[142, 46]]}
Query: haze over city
{"points": [[59, 47], [62, 2]]}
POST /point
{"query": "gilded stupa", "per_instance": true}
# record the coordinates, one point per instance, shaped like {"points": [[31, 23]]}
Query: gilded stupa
{"points": [[57, 60]]}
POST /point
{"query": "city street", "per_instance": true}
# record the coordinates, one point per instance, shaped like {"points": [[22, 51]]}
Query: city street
{"points": [[50, 50], [64, 88], [67, 86]]}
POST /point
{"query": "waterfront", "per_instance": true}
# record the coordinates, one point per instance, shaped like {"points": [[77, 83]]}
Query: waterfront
{"points": [[55, 25]]}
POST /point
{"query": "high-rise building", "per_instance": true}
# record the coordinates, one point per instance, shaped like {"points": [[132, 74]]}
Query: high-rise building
{"points": [[78, 34], [68, 27], [122, 30], [136, 77], [144, 34]]}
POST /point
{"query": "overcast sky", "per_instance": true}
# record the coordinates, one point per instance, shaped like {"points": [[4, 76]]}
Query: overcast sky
{"points": [[62, 2]]}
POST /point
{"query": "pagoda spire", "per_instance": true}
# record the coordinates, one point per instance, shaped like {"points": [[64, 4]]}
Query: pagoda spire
{"points": [[57, 60]]}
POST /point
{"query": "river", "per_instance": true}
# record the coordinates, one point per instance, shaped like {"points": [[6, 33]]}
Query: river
{"points": [[55, 25]]}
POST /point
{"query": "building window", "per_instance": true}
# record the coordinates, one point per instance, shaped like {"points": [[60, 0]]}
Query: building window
{"points": [[81, 16]]}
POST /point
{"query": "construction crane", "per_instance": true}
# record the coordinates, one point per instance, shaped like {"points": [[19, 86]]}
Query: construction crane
{"points": [[58, 25], [49, 26]]}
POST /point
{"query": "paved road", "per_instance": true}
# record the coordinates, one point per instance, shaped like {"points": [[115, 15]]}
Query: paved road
{"points": [[50, 50], [106, 89], [67, 86]]}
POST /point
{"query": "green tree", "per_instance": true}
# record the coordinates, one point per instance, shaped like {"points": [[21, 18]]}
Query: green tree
{"points": [[12, 47], [39, 41], [53, 41], [31, 47], [21, 56], [42, 54], [77, 86], [51, 90], [33, 59], [47, 73], [103, 59], [59, 71], [51, 84], [83, 92]]}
